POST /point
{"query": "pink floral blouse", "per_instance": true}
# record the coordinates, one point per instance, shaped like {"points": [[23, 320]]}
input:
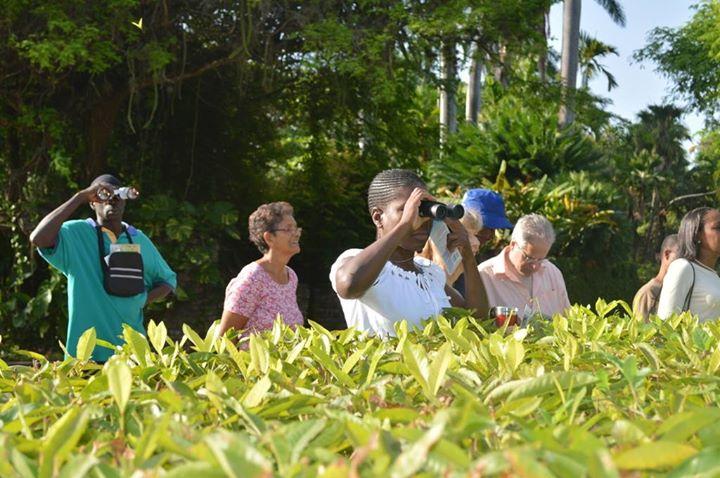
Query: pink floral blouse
{"points": [[256, 295]]}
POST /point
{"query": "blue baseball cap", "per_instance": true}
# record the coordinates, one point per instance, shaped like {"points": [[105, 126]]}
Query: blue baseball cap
{"points": [[489, 205]]}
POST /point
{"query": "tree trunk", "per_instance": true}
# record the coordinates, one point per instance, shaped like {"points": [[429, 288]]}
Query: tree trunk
{"points": [[569, 67], [473, 98], [655, 226], [448, 110], [101, 123], [501, 72], [542, 59]]}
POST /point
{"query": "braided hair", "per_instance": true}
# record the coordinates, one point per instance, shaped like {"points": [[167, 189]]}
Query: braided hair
{"points": [[386, 185]]}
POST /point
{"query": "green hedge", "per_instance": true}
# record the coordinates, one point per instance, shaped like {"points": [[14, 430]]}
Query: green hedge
{"points": [[594, 393]]}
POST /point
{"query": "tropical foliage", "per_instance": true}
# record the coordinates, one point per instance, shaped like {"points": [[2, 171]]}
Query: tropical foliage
{"points": [[213, 111], [593, 393]]}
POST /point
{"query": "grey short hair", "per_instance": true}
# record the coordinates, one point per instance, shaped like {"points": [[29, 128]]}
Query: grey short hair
{"points": [[472, 220], [533, 228]]}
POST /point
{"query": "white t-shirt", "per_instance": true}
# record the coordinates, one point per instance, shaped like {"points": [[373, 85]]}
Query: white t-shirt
{"points": [[705, 297], [396, 295]]}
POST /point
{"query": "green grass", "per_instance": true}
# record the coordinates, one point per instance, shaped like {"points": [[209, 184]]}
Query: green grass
{"points": [[595, 393]]}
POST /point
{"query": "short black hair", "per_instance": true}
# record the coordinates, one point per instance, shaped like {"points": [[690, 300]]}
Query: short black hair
{"points": [[689, 233], [386, 185], [106, 178]]}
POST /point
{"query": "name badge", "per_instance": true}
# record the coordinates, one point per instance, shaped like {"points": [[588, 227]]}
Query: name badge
{"points": [[124, 248]]}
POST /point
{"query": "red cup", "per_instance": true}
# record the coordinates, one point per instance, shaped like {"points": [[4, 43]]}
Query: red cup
{"points": [[504, 314]]}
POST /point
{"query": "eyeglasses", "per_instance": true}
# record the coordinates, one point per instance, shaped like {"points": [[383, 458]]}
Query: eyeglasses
{"points": [[529, 259], [290, 230]]}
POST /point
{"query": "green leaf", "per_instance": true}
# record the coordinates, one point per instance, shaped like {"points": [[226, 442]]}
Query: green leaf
{"points": [[705, 464], [86, 345], [300, 434], [196, 470], [515, 354], [119, 381], [654, 456], [411, 460], [61, 438], [626, 432], [651, 355], [259, 354], [540, 385], [78, 466], [148, 442], [520, 407], [158, 335], [374, 360], [454, 336], [199, 343], [237, 457], [355, 358], [257, 393], [416, 360], [714, 361], [328, 363], [439, 366], [138, 344], [679, 428], [237, 357], [22, 465]]}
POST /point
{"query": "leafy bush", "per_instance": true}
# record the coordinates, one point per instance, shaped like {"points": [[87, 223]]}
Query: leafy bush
{"points": [[588, 394], [519, 130]]}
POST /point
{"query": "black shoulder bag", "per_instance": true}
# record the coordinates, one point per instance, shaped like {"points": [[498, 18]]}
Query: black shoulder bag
{"points": [[123, 270], [686, 305]]}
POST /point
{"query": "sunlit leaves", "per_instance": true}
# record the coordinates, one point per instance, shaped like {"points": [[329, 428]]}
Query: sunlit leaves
{"points": [[587, 394]]}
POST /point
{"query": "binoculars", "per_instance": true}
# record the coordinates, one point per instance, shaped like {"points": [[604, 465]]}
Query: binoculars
{"points": [[438, 210], [125, 192]]}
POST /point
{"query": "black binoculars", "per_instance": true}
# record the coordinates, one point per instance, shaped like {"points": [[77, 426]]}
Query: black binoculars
{"points": [[438, 210]]}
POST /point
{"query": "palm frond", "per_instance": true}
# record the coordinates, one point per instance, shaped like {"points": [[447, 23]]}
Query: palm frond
{"points": [[614, 9]]}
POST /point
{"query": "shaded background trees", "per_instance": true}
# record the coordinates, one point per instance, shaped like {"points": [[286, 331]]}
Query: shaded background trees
{"points": [[212, 108]]}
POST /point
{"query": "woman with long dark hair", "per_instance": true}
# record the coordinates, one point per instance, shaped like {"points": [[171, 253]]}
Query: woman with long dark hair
{"points": [[386, 282], [692, 283]]}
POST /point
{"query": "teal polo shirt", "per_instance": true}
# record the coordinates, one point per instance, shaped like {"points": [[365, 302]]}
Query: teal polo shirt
{"points": [[76, 255]]}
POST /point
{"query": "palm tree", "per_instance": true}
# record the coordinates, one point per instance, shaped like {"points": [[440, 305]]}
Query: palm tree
{"points": [[660, 132], [448, 75], [591, 51], [473, 96], [570, 49]]}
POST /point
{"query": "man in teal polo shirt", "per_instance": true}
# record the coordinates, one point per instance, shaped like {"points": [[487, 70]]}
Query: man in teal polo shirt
{"points": [[74, 249]]}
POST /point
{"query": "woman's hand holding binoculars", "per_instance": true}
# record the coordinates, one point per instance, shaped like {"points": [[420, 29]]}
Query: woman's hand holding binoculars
{"points": [[458, 236], [411, 211]]}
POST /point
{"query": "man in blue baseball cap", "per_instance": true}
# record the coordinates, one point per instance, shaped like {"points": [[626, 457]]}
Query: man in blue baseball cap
{"points": [[490, 208], [484, 213]]}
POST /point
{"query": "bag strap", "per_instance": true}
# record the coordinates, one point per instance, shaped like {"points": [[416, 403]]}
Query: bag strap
{"points": [[686, 304], [101, 245]]}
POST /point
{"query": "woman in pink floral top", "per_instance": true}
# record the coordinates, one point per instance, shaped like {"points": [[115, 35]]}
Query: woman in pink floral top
{"points": [[266, 287]]}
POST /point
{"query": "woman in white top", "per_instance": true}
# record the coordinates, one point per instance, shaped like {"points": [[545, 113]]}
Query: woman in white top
{"points": [[385, 282], [692, 275]]}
